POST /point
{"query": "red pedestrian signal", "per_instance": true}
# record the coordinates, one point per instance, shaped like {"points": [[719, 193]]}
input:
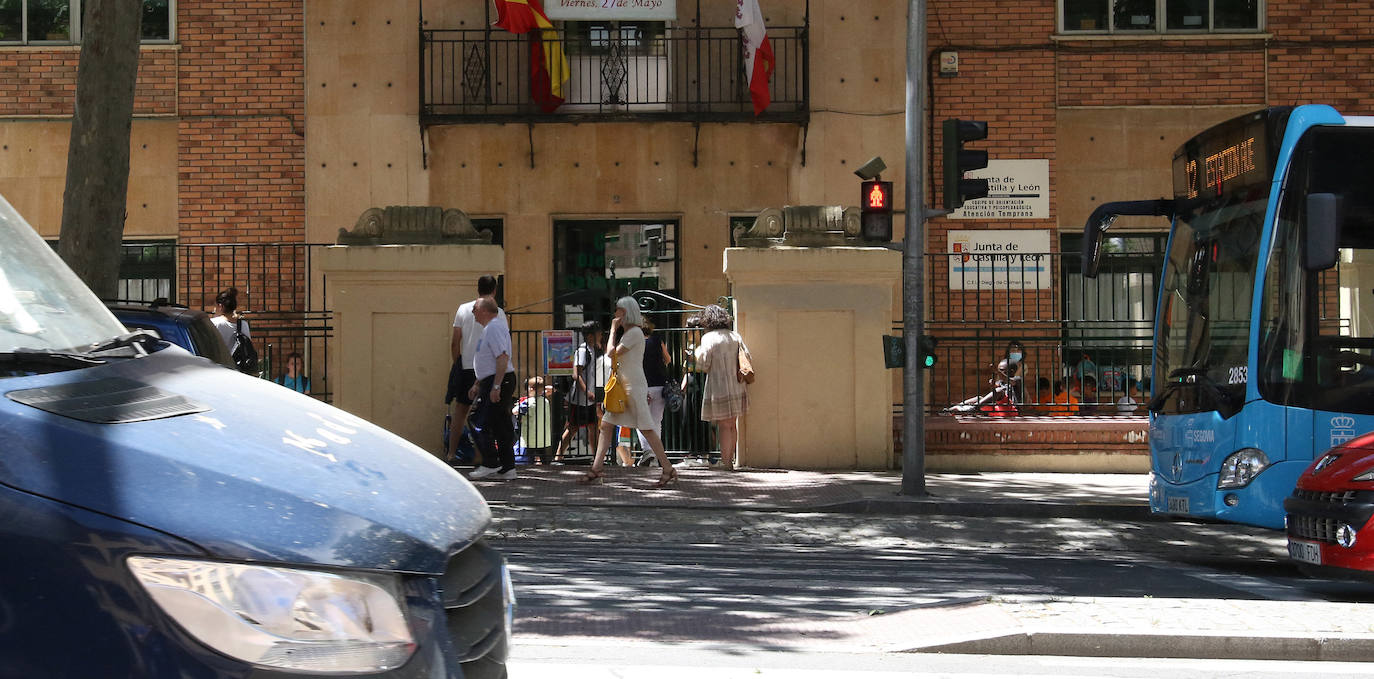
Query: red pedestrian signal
{"points": [[876, 210]]}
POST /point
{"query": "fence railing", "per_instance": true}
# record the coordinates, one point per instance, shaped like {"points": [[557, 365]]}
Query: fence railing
{"points": [[1077, 332], [680, 73], [278, 295]]}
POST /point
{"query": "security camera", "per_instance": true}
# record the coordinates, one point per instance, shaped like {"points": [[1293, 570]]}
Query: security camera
{"points": [[872, 168]]}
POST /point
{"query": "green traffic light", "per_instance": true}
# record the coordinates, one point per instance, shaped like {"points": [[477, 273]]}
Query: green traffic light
{"points": [[930, 361]]}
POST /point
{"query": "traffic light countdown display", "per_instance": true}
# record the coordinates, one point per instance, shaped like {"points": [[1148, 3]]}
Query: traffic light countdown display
{"points": [[876, 210], [958, 160]]}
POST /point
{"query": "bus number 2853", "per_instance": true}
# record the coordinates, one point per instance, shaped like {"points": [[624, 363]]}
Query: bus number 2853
{"points": [[1239, 375]]}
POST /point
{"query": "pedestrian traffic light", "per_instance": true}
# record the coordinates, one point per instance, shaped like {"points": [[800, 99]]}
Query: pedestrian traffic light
{"points": [[926, 345], [876, 210], [958, 160]]}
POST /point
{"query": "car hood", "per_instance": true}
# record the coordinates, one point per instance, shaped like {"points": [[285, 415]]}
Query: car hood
{"points": [[247, 470]]}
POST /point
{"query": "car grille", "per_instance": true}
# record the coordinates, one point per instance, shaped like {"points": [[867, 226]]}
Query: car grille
{"points": [[471, 589], [1313, 527], [1335, 498]]}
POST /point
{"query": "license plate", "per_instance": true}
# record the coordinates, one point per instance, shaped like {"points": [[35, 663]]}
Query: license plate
{"points": [[1178, 505], [1306, 552]]}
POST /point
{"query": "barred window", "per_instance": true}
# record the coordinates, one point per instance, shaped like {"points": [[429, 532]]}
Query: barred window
{"points": [[1128, 17], [40, 22]]}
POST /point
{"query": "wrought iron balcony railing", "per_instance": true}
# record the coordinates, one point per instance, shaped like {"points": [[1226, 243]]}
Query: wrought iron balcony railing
{"points": [[683, 74]]}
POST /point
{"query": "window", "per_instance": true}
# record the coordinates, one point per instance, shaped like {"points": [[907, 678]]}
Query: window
{"points": [[1127, 17], [29, 22]]}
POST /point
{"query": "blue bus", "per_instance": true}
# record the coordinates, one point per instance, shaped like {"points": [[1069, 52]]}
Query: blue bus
{"points": [[1264, 324]]}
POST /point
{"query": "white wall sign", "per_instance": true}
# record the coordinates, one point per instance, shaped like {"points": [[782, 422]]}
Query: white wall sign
{"points": [[999, 260], [1017, 189], [607, 10]]}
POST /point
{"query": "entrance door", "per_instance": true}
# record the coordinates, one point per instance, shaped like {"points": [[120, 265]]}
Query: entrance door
{"points": [[599, 261]]}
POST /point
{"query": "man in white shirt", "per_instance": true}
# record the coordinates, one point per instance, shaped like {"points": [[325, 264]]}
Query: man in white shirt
{"points": [[494, 393], [462, 347]]}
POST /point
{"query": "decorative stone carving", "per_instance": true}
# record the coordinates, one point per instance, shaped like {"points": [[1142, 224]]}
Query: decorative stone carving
{"points": [[802, 225], [414, 225]]}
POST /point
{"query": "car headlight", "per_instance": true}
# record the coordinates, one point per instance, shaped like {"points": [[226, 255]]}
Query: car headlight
{"points": [[1365, 476], [1241, 467], [283, 617]]}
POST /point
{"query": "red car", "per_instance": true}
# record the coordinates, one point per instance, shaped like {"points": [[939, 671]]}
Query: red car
{"points": [[1329, 531]]}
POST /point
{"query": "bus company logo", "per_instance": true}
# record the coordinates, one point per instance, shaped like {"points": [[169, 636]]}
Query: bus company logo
{"points": [[1200, 436], [1342, 429]]}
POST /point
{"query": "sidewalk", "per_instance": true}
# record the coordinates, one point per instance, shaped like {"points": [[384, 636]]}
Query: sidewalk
{"points": [[1113, 496]]}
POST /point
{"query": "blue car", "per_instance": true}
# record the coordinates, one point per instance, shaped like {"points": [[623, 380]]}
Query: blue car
{"points": [[163, 517], [189, 329]]}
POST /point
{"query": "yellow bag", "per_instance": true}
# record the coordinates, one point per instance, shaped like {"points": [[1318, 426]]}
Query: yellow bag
{"points": [[616, 399]]}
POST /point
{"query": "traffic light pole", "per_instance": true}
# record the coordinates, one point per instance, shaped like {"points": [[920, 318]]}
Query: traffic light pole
{"points": [[913, 258]]}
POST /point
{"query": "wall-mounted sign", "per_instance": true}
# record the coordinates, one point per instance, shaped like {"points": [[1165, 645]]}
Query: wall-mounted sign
{"points": [[999, 260], [611, 10], [1017, 189]]}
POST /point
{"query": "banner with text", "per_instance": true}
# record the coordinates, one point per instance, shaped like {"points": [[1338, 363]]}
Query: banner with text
{"points": [[999, 260], [611, 10], [1017, 189]]}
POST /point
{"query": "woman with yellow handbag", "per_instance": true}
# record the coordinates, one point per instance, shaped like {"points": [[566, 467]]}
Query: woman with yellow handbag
{"points": [[627, 394]]}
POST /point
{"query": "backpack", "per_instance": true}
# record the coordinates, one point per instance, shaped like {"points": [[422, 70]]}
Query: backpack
{"points": [[244, 355]]}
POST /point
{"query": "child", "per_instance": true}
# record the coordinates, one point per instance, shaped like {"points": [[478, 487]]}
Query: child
{"points": [[1127, 404], [294, 378], [534, 415]]}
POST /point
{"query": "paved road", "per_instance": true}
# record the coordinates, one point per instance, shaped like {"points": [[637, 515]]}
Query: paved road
{"points": [[766, 581]]}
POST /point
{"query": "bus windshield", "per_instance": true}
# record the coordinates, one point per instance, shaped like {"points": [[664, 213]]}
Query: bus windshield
{"points": [[1204, 326], [1317, 327]]}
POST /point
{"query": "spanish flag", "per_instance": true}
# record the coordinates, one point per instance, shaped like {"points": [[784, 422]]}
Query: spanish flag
{"points": [[548, 64]]}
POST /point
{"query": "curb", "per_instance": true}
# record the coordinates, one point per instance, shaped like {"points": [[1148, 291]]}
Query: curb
{"points": [[1181, 645], [974, 508], [892, 507]]}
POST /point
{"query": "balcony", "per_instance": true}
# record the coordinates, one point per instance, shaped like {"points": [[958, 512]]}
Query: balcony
{"points": [[641, 72]]}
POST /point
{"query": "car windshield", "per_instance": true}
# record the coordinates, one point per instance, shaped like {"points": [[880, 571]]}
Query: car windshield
{"points": [[43, 305]]}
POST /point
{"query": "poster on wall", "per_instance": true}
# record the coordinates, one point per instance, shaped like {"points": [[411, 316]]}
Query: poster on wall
{"points": [[1017, 189], [999, 260], [611, 10], [559, 346]]}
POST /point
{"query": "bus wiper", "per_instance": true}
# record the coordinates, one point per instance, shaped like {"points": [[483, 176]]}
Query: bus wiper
{"points": [[1223, 398], [37, 358]]}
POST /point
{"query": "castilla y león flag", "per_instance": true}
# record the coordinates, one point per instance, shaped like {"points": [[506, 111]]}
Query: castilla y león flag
{"points": [[548, 64], [758, 53]]}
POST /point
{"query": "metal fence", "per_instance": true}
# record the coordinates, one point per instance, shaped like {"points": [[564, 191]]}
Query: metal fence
{"points": [[278, 295], [684, 434], [631, 71], [1072, 328]]}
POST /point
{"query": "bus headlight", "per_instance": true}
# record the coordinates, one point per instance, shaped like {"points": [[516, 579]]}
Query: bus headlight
{"points": [[287, 618], [1241, 467]]}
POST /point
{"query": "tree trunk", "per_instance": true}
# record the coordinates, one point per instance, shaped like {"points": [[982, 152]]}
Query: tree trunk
{"points": [[93, 204]]}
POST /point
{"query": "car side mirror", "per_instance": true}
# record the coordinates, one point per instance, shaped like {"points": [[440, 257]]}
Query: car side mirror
{"points": [[1324, 215]]}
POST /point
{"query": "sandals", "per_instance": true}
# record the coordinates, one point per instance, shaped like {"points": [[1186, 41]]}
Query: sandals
{"points": [[667, 480], [593, 477]]}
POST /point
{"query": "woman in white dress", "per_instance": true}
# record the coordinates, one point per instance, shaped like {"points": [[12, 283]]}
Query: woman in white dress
{"points": [[627, 346], [724, 400]]}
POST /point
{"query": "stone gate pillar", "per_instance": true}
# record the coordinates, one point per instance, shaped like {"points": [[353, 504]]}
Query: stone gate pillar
{"points": [[393, 307], [813, 316]]}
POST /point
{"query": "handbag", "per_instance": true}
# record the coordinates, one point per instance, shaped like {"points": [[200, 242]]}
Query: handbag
{"points": [[616, 400], [244, 354], [672, 395], [744, 372]]}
